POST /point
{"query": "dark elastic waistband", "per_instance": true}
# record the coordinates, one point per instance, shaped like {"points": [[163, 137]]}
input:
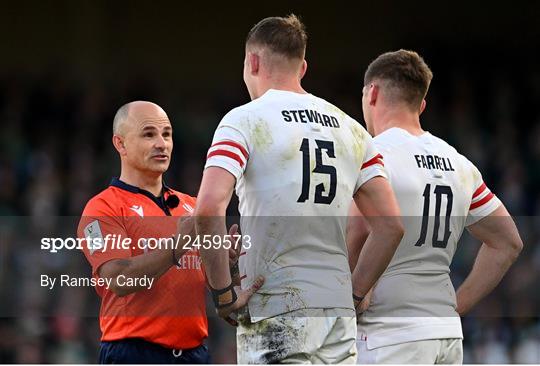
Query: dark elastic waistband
{"points": [[148, 344]]}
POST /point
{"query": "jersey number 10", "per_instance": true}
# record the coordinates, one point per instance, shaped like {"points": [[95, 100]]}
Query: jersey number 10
{"points": [[439, 191], [319, 168]]}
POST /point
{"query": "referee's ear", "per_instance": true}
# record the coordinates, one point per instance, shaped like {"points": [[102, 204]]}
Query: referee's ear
{"points": [[118, 142]]}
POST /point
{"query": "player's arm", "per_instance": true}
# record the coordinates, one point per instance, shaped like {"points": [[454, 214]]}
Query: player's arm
{"points": [[152, 264], [357, 234], [376, 200], [501, 245], [214, 196], [226, 162]]}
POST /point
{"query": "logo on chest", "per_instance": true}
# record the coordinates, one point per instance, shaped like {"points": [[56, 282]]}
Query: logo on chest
{"points": [[137, 209]]}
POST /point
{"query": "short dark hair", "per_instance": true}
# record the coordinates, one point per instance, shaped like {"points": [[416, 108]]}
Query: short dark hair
{"points": [[406, 74], [283, 35]]}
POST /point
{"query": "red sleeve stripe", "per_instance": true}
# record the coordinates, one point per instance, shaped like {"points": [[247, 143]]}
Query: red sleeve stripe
{"points": [[228, 154], [244, 276], [243, 253], [479, 191], [233, 144], [482, 201], [375, 160]]}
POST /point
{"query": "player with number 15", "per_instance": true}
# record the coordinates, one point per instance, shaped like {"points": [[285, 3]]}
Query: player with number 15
{"points": [[295, 161]]}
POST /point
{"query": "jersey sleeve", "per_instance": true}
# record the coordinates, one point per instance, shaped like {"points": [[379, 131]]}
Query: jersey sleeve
{"points": [[98, 222], [372, 163], [483, 201], [230, 148]]}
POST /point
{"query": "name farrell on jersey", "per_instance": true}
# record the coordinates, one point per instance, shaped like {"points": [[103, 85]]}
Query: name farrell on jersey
{"points": [[434, 162]]}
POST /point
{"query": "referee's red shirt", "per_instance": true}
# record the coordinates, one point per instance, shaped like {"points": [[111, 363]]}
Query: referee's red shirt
{"points": [[172, 312]]}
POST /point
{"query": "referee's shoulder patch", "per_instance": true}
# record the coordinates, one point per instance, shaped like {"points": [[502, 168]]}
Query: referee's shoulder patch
{"points": [[94, 237]]}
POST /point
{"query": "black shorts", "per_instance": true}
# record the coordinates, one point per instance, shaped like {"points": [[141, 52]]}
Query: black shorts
{"points": [[138, 351]]}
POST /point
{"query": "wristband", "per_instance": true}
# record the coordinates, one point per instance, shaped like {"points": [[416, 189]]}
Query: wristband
{"points": [[218, 295]]}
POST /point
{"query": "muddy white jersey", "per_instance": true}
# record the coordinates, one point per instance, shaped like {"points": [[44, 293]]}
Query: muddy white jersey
{"points": [[439, 192], [297, 160]]}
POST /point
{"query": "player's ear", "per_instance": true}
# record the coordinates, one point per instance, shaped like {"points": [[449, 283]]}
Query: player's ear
{"points": [[303, 69], [254, 63], [373, 94], [422, 106], [118, 142]]}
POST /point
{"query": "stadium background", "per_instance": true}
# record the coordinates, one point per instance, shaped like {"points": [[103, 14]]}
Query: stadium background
{"points": [[66, 66]]}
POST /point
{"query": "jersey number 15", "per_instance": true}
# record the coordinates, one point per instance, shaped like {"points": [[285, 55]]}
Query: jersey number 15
{"points": [[319, 168]]}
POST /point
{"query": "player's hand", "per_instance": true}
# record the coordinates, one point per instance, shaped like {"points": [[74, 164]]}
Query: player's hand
{"points": [[243, 297], [363, 305], [234, 255]]}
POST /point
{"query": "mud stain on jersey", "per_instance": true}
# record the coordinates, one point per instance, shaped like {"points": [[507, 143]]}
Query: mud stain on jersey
{"points": [[335, 110], [358, 143], [264, 299], [272, 340], [293, 150], [272, 230], [340, 146], [273, 236], [261, 135], [294, 299]]}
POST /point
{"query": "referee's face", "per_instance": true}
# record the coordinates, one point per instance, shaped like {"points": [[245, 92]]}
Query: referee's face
{"points": [[149, 145]]}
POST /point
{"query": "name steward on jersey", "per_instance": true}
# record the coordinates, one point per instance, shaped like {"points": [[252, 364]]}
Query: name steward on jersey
{"points": [[434, 162], [310, 116]]}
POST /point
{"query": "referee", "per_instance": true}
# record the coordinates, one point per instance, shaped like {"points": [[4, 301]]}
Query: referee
{"points": [[153, 311]]}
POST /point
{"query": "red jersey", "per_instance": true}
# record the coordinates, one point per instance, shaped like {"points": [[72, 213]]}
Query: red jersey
{"points": [[172, 311]]}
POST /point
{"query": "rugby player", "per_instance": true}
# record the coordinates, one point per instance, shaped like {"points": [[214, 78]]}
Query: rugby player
{"points": [[296, 161], [412, 314]]}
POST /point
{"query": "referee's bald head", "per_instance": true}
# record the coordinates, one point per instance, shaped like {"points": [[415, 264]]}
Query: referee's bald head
{"points": [[135, 111]]}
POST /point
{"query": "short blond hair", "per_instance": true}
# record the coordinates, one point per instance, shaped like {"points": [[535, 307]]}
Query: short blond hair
{"points": [[282, 35]]}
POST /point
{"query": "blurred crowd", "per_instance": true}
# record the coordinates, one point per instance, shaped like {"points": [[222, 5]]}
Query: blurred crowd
{"points": [[55, 153]]}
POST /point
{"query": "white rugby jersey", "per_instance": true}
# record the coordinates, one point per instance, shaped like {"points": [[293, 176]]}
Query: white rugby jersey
{"points": [[297, 160], [439, 192]]}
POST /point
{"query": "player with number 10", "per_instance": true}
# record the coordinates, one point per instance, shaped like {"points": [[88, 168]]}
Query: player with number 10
{"points": [[413, 315]]}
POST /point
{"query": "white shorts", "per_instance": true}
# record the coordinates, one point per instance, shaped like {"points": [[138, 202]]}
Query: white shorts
{"points": [[428, 352], [320, 337]]}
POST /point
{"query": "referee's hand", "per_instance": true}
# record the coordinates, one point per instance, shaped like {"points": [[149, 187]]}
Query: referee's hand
{"points": [[242, 300], [185, 227]]}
